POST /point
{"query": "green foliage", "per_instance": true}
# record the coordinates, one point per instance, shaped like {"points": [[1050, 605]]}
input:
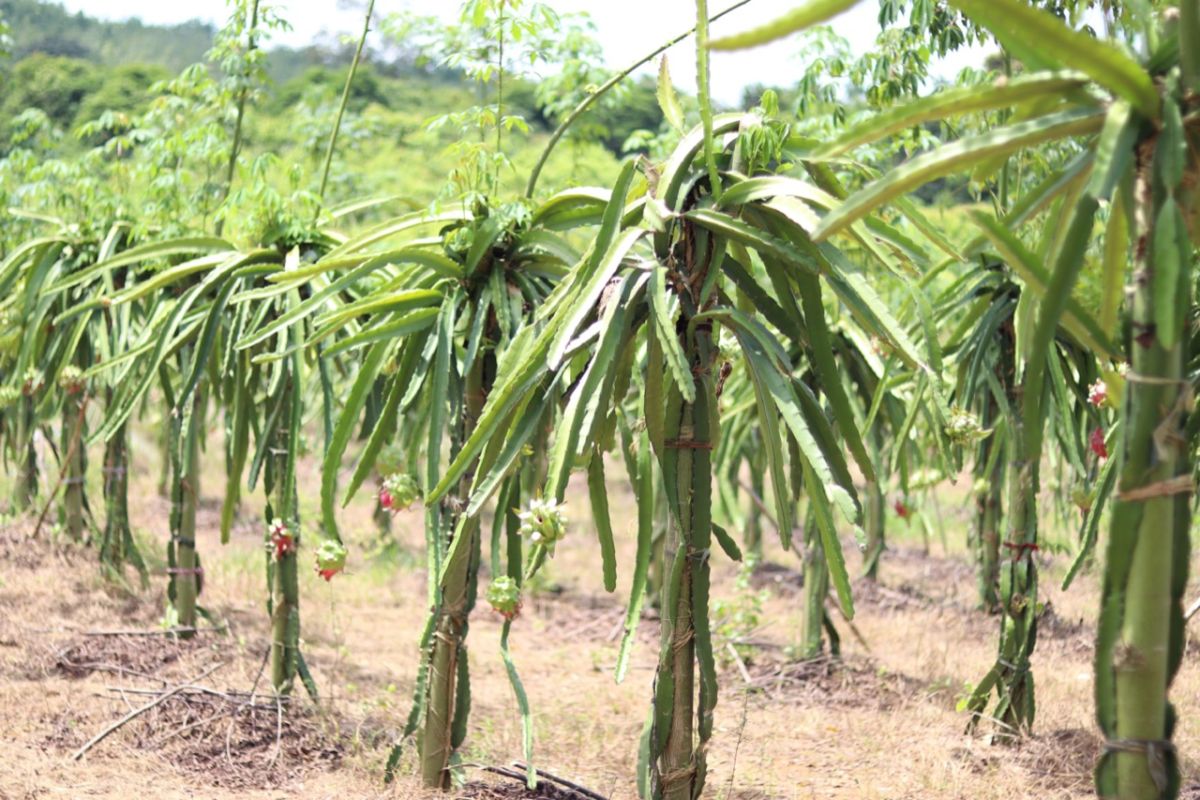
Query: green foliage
{"points": [[737, 619], [321, 84], [57, 85], [47, 28], [5, 40], [761, 295]]}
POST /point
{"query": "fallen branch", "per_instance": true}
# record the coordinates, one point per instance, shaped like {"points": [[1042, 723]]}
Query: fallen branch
{"points": [[175, 631], [137, 712], [278, 732], [737, 744], [741, 665], [62, 662], [249, 703], [587, 626], [850, 624], [230, 695], [760, 505], [210, 696], [192, 726]]}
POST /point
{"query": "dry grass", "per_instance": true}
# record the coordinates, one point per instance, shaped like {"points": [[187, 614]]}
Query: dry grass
{"points": [[880, 724]]}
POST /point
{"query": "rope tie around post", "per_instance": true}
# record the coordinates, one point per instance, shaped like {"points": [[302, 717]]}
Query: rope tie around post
{"points": [[687, 444], [673, 777], [456, 615], [1017, 669], [1021, 548], [1180, 484], [683, 638], [1156, 752]]}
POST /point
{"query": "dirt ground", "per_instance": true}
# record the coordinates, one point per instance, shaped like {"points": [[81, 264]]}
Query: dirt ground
{"points": [[880, 723]]}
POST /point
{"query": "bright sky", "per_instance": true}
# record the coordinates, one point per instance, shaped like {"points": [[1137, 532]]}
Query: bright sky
{"points": [[627, 29]]}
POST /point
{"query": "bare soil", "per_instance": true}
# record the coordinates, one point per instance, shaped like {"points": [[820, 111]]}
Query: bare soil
{"points": [[881, 722]]}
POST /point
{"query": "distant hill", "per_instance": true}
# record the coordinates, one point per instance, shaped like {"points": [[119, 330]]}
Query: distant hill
{"points": [[36, 27], [46, 28], [74, 68]]}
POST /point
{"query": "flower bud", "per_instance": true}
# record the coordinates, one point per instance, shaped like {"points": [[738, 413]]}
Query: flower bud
{"points": [[282, 540], [543, 522]]}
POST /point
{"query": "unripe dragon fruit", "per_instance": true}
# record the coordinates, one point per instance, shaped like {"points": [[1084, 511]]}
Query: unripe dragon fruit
{"points": [[504, 595], [398, 492], [1083, 498], [71, 380], [331, 559], [963, 428], [33, 381]]}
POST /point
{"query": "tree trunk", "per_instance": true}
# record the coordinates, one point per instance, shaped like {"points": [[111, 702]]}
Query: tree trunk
{"points": [[285, 588], [876, 517], [989, 488], [1011, 676], [990, 521], [682, 765], [185, 493], [816, 589], [164, 450], [446, 700], [682, 723], [74, 453], [656, 575], [1018, 595], [1140, 641], [27, 481], [754, 520], [116, 544], [678, 637]]}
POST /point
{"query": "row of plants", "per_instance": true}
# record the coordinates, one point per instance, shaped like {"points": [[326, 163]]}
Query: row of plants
{"points": [[761, 328]]}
